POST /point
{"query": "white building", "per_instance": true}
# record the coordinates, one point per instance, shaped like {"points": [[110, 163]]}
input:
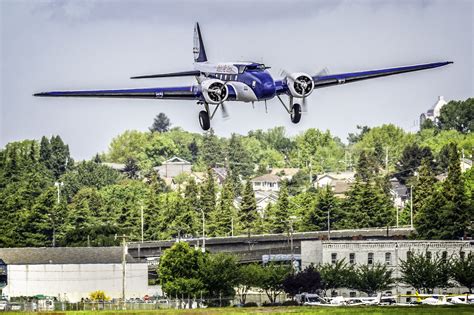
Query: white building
{"points": [[387, 252], [434, 112], [72, 273], [267, 182], [173, 167], [340, 182]]}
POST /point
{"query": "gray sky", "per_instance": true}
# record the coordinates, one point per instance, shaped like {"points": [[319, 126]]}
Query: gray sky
{"points": [[55, 45]]}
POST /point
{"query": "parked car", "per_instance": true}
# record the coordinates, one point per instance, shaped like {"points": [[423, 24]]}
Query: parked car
{"points": [[3, 305]]}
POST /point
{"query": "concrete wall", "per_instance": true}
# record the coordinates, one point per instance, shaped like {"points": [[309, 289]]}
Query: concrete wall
{"points": [[73, 281]]}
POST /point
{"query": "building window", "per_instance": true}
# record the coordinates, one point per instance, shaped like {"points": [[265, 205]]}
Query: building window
{"points": [[428, 254], [352, 258], [444, 256], [333, 258], [388, 258], [370, 258], [352, 294], [408, 298]]}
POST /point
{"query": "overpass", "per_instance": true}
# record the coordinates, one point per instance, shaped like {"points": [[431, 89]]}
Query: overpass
{"points": [[251, 249]]}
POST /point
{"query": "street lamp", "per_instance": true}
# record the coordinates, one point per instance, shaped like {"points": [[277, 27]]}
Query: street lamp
{"points": [[411, 206], [203, 232], [58, 185]]}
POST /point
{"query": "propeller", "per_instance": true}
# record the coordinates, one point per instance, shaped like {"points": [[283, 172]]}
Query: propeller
{"points": [[224, 112]]}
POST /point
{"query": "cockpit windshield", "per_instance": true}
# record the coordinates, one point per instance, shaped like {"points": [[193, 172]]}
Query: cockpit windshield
{"points": [[252, 67]]}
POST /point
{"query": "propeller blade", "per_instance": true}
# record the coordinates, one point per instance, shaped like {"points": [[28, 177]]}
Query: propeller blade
{"points": [[323, 72], [225, 114], [304, 106]]}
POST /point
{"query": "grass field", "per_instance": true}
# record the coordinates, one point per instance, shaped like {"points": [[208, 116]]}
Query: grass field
{"points": [[374, 310]]}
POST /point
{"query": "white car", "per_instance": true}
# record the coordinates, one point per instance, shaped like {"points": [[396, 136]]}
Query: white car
{"points": [[3, 305]]}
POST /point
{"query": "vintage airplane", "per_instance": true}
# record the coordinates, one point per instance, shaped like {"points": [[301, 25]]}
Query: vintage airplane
{"points": [[240, 81]]}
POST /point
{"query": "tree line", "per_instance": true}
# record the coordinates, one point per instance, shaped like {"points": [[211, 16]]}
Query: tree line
{"points": [[186, 273], [96, 202]]}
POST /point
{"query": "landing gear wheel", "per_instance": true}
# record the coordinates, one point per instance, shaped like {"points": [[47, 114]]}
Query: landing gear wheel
{"points": [[204, 120], [295, 113]]}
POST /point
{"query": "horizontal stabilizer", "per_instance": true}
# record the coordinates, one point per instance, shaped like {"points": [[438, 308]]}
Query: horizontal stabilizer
{"points": [[168, 75]]}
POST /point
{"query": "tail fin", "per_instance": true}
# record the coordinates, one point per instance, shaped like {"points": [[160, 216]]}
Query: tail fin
{"points": [[198, 49]]}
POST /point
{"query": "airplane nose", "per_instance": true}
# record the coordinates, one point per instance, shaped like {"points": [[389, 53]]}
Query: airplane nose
{"points": [[269, 89]]}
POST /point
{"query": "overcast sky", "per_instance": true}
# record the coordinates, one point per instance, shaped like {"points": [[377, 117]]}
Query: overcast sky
{"points": [[55, 45]]}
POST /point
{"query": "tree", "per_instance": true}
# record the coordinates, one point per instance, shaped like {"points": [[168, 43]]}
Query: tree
{"points": [[356, 137], [457, 211], [308, 280], [220, 275], [161, 123], [180, 271], [224, 214], [247, 280], [424, 272], [410, 160], [208, 194], [131, 168], [372, 279], [279, 215], [462, 270], [238, 157], [458, 115], [336, 275], [99, 296], [212, 149], [248, 208], [270, 280]]}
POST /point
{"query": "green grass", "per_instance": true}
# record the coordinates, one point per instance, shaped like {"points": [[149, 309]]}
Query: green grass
{"points": [[374, 310]]}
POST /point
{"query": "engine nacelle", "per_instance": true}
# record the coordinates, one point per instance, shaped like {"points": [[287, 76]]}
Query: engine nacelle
{"points": [[214, 91], [300, 84]]}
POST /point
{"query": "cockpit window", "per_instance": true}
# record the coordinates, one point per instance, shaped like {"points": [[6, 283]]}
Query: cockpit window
{"points": [[252, 67]]}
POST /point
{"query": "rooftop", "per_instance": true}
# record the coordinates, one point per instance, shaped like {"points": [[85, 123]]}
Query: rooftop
{"points": [[266, 178], [63, 255]]}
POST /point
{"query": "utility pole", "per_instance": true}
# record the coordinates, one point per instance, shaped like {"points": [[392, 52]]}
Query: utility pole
{"points": [[141, 213], [58, 185], [411, 206], [124, 265], [329, 224], [203, 232]]}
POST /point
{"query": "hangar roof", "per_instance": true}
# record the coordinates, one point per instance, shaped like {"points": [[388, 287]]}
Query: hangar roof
{"points": [[63, 255]]}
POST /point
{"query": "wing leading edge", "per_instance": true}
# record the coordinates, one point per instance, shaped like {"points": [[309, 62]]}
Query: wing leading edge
{"points": [[336, 79], [179, 93]]}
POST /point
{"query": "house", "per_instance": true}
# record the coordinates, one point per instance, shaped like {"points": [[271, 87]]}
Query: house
{"points": [[71, 273], [340, 182], [465, 164], [267, 182], [400, 193], [285, 173], [262, 198], [173, 167], [434, 112]]}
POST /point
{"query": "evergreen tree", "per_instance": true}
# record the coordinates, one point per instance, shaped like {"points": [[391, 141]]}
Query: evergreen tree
{"points": [[45, 152], [60, 159], [248, 208], [161, 123], [194, 150], [131, 168], [240, 161], [208, 194], [280, 211], [224, 215], [456, 214], [424, 196], [212, 151], [410, 160]]}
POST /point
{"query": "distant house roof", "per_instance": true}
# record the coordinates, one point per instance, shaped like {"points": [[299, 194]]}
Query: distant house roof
{"points": [[348, 175], [341, 187], [176, 160], [115, 166], [398, 189], [285, 171], [63, 255], [266, 178]]}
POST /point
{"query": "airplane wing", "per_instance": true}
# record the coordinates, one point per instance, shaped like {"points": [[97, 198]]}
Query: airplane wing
{"points": [[336, 79], [178, 93]]}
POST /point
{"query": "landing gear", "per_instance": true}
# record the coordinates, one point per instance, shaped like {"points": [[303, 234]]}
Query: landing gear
{"points": [[204, 120], [295, 113], [293, 109]]}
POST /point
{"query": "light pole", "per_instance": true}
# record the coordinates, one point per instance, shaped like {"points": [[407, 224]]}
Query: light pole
{"points": [[141, 214], [291, 242], [58, 185], [411, 206], [329, 223], [124, 264], [203, 232]]}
